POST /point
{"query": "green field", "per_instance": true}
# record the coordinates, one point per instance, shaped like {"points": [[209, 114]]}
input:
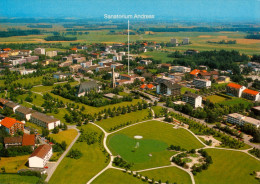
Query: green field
{"points": [[157, 55], [80, 171], [67, 135], [34, 126], [133, 117], [157, 110], [15, 179], [33, 81], [216, 99], [171, 174], [14, 164], [229, 167], [113, 176], [154, 133], [184, 89]]}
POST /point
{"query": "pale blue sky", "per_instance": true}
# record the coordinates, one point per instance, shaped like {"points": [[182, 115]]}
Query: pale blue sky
{"points": [[182, 9]]}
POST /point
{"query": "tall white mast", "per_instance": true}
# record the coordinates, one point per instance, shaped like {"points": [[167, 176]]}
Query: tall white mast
{"points": [[128, 47]]}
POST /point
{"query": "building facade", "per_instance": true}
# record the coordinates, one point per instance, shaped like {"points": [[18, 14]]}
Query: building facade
{"points": [[239, 119], [201, 83], [192, 99], [40, 156]]}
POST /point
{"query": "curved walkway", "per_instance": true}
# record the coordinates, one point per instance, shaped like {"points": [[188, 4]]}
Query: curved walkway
{"points": [[106, 134]]}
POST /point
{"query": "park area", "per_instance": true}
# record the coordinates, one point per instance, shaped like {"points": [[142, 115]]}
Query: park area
{"points": [[151, 149]]}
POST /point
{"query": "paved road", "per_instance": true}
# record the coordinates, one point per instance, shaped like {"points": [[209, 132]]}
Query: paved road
{"points": [[245, 136], [53, 168]]}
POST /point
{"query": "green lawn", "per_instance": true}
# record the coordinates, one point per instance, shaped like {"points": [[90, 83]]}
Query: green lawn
{"points": [[184, 89], [14, 164], [157, 55], [66, 135], [157, 110], [33, 81], [216, 99], [15, 179], [60, 115], [38, 101], [117, 120], [82, 170], [113, 176], [42, 89], [34, 126], [154, 133], [229, 167], [171, 174], [236, 100]]}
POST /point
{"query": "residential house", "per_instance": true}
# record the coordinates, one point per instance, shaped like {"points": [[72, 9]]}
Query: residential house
{"points": [[75, 68], [147, 86], [223, 79], [193, 99], [65, 64], [40, 156], [25, 140], [12, 125], [191, 52], [44, 120], [185, 41], [181, 69], [145, 62], [51, 53], [140, 69], [241, 120], [235, 89]]}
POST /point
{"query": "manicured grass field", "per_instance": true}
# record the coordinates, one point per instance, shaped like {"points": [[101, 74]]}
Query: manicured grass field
{"points": [[112, 176], [60, 115], [184, 89], [216, 98], [135, 151], [236, 100], [152, 131], [14, 164], [42, 89], [157, 109], [66, 135], [170, 174], [133, 117], [229, 167], [80, 171], [15, 179]]}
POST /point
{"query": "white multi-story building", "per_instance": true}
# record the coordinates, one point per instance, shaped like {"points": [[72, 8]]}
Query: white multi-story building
{"points": [[51, 53], [44, 120], [39, 51], [239, 119], [201, 83], [40, 156], [182, 69], [185, 41], [193, 99], [27, 71], [174, 41]]}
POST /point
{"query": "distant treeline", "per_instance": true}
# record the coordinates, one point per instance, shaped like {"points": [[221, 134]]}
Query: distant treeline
{"points": [[18, 32], [224, 42], [253, 36], [60, 38], [40, 26], [200, 29], [76, 33]]}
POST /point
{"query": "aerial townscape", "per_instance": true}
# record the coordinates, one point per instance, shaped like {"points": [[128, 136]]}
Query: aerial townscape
{"points": [[105, 93]]}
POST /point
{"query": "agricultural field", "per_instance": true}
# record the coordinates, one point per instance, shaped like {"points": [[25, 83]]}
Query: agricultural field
{"points": [[67, 135], [83, 169], [229, 167], [112, 176], [129, 117], [157, 55], [15, 178], [154, 133], [14, 164], [170, 174]]}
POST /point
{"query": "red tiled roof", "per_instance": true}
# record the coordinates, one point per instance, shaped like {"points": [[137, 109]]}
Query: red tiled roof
{"points": [[41, 151], [3, 101], [140, 67], [251, 92], [143, 86], [9, 122], [233, 85], [73, 49], [194, 72], [12, 140], [150, 86], [28, 140], [7, 49]]}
